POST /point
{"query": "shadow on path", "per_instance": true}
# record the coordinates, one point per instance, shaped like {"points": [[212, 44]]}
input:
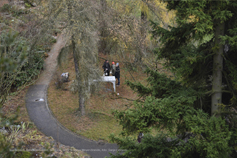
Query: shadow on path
{"points": [[39, 113]]}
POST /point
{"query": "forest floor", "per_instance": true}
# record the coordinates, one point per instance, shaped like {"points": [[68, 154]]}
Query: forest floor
{"points": [[98, 123]]}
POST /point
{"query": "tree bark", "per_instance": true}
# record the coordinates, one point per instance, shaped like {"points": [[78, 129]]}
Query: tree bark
{"points": [[82, 104], [81, 97], [141, 52], [103, 28], [75, 58], [217, 69], [81, 100]]}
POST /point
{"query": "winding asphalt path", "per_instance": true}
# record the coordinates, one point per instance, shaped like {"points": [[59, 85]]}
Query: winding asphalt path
{"points": [[40, 114]]}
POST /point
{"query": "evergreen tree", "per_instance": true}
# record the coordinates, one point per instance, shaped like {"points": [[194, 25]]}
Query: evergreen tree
{"points": [[186, 107]]}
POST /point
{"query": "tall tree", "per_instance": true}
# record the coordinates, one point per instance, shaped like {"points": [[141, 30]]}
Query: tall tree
{"points": [[185, 107], [217, 69], [103, 17], [143, 30], [82, 30], [75, 57], [202, 19]]}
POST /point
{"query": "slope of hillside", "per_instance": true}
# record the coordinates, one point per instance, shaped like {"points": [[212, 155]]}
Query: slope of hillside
{"points": [[98, 123]]}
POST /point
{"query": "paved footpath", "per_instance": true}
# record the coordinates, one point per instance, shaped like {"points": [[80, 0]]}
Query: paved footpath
{"points": [[40, 114]]}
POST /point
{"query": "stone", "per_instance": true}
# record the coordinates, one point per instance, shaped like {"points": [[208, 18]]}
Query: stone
{"points": [[34, 4], [3, 131]]}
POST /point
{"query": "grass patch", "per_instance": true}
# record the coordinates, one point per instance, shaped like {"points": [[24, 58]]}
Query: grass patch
{"points": [[103, 126], [98, 123]]}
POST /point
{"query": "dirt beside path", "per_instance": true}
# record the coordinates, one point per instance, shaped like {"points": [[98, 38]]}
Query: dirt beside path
{"points": [[51, 62]]}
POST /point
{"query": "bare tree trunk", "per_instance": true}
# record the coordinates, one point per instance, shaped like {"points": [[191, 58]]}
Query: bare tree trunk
{"points": [[141, 52], [82, 103], [166, 23], [217, 70], [75, 58], [103, 28], [81, 100]]}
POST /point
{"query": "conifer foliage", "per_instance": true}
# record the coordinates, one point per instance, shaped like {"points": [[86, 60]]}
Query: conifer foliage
{"points": [[192, 114]]}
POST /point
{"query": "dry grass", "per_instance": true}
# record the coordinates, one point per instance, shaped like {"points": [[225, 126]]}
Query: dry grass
{"points": [[99, 122], [17, 100]]}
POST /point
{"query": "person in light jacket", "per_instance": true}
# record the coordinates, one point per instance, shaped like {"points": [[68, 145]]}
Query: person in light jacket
{"points": [[117, 73], [113, 67]]}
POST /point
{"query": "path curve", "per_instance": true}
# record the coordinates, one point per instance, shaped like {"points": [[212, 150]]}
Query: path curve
{"points": [[42, 117]]}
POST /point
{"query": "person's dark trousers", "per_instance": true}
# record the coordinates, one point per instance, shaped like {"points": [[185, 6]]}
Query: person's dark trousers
{"points": [[118, 81], [106, 72]]}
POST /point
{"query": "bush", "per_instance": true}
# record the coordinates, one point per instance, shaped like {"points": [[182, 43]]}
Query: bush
{"points": [[15, 11], [23, 154], [56, 31], [27, 5], [29, 70], [59, 82], [53, 40], [5, 8]]}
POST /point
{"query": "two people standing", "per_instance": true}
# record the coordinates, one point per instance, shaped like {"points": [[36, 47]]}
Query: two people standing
{"points": [[115, 70]]}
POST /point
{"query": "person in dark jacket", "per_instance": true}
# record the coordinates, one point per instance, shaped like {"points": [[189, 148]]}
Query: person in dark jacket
{"points": [[106, 67], [140, 136], [117, 73]]}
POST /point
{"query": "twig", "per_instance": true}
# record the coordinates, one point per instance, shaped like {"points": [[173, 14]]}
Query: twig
{"points": [[119, 97]]}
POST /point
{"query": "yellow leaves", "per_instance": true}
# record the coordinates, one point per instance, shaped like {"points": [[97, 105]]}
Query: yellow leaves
{"points": [[127, 10], [160, 4], [78, 41], [192, 18], [144, 8]]}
